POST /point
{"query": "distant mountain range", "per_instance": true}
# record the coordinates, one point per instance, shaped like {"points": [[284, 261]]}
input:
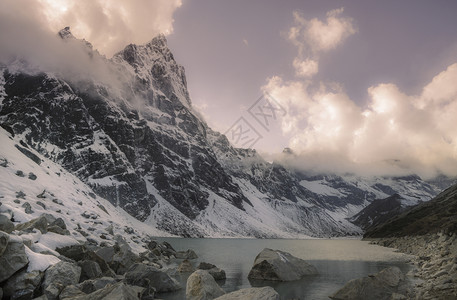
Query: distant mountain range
{"points": [[134, 139]]}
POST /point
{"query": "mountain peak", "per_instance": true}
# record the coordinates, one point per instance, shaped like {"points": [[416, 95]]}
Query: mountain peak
{"points": [[66, 33]]}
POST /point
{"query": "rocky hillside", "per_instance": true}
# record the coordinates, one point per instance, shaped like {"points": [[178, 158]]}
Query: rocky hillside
{"points": [[378, 212], [437, 215], [126, 128]]}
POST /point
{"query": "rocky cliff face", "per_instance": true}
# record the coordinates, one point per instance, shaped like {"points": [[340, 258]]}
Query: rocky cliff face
{"points": [[135, 139]]}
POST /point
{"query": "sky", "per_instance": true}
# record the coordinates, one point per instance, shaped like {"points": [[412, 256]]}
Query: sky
{"points": [[358, 86]]}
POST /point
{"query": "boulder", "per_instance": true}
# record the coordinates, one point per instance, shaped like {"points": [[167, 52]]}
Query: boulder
{"points": [[380, 286], [151, 279], [186, 267], [5, 224], [263, 293], [214, 271], [58, 276], [92, 285], [118, 291], [4, 238], [189, 254], [202, 286], [76, 252], [89, 270], [278, 265], [71, 291], [22, 285], [39, 223], [13, 258]]}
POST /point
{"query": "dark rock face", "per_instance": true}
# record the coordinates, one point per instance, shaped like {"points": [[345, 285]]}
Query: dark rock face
{"points": [[378, 212], [436, 215], [103, 139]]}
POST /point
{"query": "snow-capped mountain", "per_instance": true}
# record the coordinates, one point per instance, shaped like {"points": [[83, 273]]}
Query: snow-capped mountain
{"points": [[131, 136]]}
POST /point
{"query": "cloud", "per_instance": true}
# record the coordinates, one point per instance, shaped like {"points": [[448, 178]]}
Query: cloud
{"points": [[317, 36], [395, 134], [305, 68], [109, 25]]}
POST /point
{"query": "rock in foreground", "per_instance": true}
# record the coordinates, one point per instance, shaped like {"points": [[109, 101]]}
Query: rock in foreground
{"points": [[380, 286], [263, 293], [277, 265], [202, 286]]}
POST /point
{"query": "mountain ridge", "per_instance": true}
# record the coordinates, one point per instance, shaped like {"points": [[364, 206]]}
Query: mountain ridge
{"points": [[135, 140]]}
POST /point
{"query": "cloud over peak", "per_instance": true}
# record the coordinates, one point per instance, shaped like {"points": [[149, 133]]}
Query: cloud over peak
{"points": [[109, 25]]}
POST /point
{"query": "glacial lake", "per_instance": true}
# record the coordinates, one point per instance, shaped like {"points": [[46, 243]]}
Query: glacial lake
{"points": [[337, 261]]}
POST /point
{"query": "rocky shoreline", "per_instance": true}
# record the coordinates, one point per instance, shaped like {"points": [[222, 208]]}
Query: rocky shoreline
{"points": [[435, 263]]}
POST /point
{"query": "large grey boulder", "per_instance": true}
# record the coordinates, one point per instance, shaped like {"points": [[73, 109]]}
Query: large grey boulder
{"points": [[263, 293], [202, 286], [279, 266], [5, 224], [151, 279], [13, 258], [40, 223], [120, 257], [118, 291], [22, 285], [380, 286], [89, 270], [214, 271], [58, 276]]}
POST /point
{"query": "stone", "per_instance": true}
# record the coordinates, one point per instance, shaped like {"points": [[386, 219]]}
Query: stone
{"points": [[278, 265], [71, 291], [189, 254], [41, 204], [5, 224], [4, 238], [263, 293], [214, 271], [118, 291], [27, 208], [89, 270], [58, 276], [123, 257], [151, 279], [39, 223], [58, 230], [202, 286], [13, 258], [186, 267], [92, 285], [76, 252], [380, 286], [22, 285]]}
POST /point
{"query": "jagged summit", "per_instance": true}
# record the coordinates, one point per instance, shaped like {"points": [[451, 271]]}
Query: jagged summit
{"points": [[66, 33]]}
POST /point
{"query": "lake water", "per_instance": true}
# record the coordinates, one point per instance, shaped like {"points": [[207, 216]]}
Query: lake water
{"points": [[337, 261]]}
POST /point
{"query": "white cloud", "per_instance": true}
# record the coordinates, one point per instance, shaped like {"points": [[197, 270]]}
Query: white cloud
{"points": [[108, 25], [394, 134], [305, 68], [318, 36]]}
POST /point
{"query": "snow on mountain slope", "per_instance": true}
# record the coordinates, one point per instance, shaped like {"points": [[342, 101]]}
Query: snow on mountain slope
{"points": [[128, 132], [48, 188]]}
